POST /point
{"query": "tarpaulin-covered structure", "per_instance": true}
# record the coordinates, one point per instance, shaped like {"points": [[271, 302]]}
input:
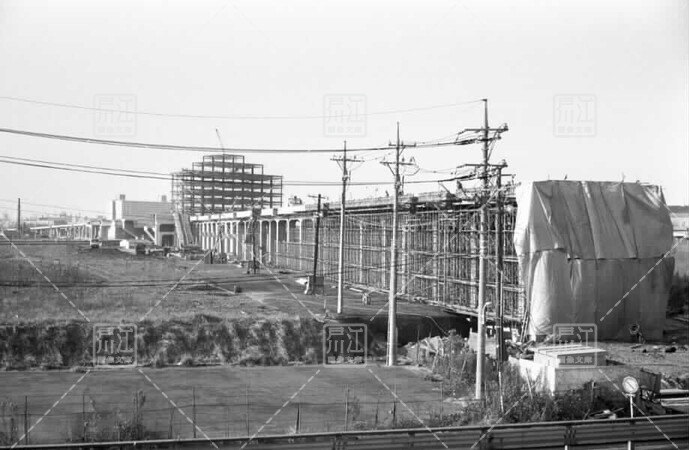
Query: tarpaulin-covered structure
{"points": [[594, 252]]}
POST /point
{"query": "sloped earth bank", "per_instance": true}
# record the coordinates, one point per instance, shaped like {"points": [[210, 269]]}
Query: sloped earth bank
{"points": [[204, 340]]}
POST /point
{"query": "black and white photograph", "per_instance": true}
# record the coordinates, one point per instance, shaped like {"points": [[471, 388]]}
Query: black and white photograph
{"points": [[300, 224]]}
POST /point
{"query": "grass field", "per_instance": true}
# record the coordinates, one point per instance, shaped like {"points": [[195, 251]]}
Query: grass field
{"points": [[220, 396], [184, 309], [108, 286]]}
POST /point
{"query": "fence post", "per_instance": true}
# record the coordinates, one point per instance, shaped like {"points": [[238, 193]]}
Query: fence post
{"points": [[246, 400], [170, 433], [83, 416], [346, 406], [298, 424], [193, 408], [569, 437], [137, 422], [13, 424], [442, 398], [26, 419], [394, 408]]}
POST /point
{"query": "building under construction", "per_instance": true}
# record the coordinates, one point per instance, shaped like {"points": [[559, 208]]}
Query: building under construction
{"points": [[223, 183], [438, 246], [574, 252]]}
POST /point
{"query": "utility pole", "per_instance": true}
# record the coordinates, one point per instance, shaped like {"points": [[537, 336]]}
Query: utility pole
{"points": [[483, 248], [484, 200], [340, 265], [392, 314], [500, 252], [483, 244], [315, 249], [19, 217], [392, 301]]}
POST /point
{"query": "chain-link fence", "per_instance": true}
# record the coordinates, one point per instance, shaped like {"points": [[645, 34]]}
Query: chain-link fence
{"points": [[211, 412]]}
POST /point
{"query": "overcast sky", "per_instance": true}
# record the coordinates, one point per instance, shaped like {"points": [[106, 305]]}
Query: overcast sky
{"points": [[592, 90]]}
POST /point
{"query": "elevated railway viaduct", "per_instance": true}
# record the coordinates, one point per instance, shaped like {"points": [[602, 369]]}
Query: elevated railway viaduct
{"points": [[438, 246]]}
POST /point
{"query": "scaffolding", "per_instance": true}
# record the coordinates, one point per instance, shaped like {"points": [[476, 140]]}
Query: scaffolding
{"points": [[224, 183], [438, 247], [437, 257], [438, 254]]}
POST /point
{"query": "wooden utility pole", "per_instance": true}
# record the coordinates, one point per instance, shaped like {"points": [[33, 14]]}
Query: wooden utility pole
{"points": [[340, 265], [483, 244], [315, 247], [19, 216]]}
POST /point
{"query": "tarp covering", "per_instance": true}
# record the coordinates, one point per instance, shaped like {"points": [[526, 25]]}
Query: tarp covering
{"points": [[588, 247]]}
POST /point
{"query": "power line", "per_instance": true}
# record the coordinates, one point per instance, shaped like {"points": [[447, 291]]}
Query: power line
{"points": [[187, 148], [14, 208], [228, 117], [142, 172], [7, 200], [171, 147], [98, 170]]}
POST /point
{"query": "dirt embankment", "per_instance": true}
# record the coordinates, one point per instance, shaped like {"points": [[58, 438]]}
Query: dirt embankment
{"points": [[204, 340]]}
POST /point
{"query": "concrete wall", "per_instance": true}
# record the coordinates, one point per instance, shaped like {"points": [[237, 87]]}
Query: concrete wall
{"points": [[139, 210]]}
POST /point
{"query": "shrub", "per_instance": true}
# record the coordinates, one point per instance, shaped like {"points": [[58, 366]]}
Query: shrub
{"points": [[99, 426], [519, 402]]}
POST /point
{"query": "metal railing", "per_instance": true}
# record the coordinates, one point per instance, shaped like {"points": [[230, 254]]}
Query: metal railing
{"points": [[671, 430]]}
